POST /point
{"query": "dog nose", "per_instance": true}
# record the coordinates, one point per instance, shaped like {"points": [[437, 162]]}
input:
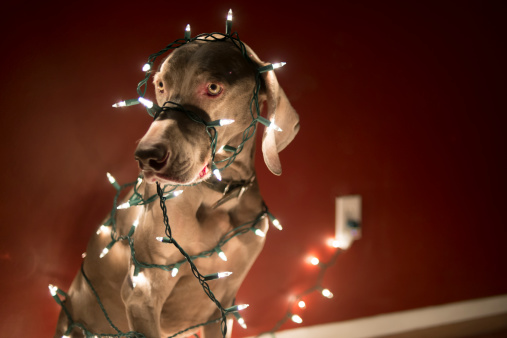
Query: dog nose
{"points": [[152, 156]]}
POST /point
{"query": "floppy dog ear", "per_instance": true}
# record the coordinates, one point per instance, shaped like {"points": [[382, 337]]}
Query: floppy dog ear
{"points": [[280, 112]]}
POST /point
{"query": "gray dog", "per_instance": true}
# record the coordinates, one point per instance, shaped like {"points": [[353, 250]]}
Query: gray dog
{"points": [[214, 81]]}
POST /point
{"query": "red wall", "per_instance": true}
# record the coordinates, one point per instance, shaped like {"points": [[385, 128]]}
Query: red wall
{"points": [[401, 103]]}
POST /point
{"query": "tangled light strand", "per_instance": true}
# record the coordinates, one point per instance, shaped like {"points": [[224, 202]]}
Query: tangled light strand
{"points": [[137, 199]]}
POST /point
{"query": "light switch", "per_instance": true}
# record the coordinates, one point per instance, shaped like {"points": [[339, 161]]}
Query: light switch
{"points": [[348, 220]]}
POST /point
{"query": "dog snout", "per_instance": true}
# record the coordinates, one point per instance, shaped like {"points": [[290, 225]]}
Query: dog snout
{"points": [[151, 156]]}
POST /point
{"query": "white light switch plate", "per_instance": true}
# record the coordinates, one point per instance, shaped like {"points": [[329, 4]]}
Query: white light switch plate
{"points": [[348, 220]]}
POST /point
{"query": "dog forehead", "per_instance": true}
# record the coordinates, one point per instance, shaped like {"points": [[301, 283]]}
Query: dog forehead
{"points": [[217, 58]]}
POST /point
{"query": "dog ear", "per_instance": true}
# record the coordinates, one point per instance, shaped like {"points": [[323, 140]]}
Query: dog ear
{"points": [[280, 112]]}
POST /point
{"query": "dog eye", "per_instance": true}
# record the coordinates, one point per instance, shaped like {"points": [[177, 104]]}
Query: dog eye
{"points": [[160, 86], [214, 89]]}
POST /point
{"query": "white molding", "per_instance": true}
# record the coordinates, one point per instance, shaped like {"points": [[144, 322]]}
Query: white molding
{"points": [[398, 322]]}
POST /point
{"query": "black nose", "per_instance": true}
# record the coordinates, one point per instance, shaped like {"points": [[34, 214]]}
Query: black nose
{"points": [[151, 156]]}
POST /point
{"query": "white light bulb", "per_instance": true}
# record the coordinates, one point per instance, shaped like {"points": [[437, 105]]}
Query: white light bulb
{"points": [[136, 223], [120, 104], [174, 271], [83, 255], [241, 322], [187, 29], [277, 224], [224, 122], [279, 65], [302, 304], [222, 255], [175, 193], [146, 67], [159, 238], [125, 205], [229, 15], [326, 293], [104, 252], [224, 274], [242, 306], [103, 228], [147, 103], [314, 260], [338, 243], [296, 319], [111, 178], [139, 279], [217, 174], [52, 289], [259, 233], [274, 126]]}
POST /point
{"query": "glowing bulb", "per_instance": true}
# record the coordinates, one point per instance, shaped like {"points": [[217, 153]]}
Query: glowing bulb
{"points": [[173, 194], [296, 319], [111, 178], [235, 308], [314, 260], [217, 275], [147, 103], [83, 255], [138, 279], [120, 104], [268, 123], [125, 205], [175, 270], [326, 293], [271, 66], [125, 103], [53, 289], [217, 174], [241, 322], [147, 67], [228, 23], [221, 254], [225, 122], [104, 252], [259, 232], [302, 304], [221, 122], [273, 126], [277, 224], [103, 228], [224, 274], [163, 239], [279, 65], [133, 227], [65, 336], [187, 32], [274, 221], [337, 243]]}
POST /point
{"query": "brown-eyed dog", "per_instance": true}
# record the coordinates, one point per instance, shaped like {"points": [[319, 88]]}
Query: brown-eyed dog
{"points": [[214, 81]]}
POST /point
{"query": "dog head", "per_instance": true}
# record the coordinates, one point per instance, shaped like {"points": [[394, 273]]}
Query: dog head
{"points": [[208, 81]]}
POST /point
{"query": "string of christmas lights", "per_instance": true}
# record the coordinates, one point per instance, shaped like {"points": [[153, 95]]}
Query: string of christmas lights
{"points": [[317, 287], [138, 200]]}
